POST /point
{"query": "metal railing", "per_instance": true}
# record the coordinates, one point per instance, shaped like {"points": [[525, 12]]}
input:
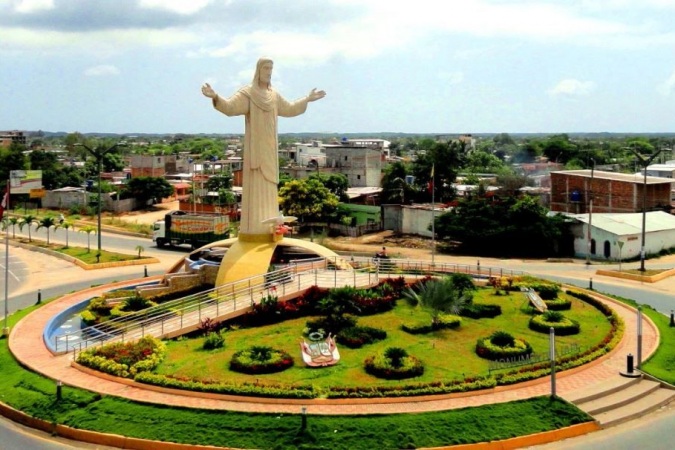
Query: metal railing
{"points": [[230, 300]]}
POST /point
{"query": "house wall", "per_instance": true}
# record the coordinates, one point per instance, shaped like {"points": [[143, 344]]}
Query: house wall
{"points": [[416, 221], [609, 196], [361, 166], [654, 243]]}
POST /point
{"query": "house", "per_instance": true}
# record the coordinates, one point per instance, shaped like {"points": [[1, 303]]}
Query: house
{"points": [[619, 236], [572, 190], [7, 137], [411, 219]]}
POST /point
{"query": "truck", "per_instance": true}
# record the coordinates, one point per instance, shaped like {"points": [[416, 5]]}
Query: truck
{"points": [[180, 227]]}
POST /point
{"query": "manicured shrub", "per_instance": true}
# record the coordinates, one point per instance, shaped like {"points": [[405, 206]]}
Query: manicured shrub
{"points": [[136, 303], [447, 321], [417, 327], [546, 291], [88, 317], [490, 348], [213, 340], [394, 364], [357, 337], [562, 325], [558, 304], [260, 360], [480, 311], [333, 324]]}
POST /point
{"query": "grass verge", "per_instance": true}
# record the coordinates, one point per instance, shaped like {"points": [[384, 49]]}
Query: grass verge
{"points": [[87, 256], [35, 395]]}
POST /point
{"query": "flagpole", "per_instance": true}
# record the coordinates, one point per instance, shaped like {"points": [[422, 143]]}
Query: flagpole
{"points": [[433, 217], [5, 328]]}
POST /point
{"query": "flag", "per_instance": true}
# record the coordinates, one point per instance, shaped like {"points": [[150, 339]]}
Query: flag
{"points": [[430, 186], [4, 204]]}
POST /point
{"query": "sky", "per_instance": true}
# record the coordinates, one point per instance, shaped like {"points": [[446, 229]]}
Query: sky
{"points": [[423, 66]]}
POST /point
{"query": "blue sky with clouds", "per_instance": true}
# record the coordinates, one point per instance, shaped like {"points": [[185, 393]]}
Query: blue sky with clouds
{"points": [[470, 66]]}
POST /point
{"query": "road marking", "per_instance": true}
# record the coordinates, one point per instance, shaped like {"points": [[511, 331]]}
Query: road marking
{"points": [[10, 272]]}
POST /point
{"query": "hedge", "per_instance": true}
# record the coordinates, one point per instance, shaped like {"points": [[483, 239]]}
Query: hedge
{"points": [[565, 327], [487, 350], [480, 311]]}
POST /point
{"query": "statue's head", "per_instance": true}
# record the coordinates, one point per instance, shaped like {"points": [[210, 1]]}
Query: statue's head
{"points": [[263, 72]]}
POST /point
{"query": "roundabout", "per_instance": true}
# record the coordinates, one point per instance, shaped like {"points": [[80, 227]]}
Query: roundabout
{"points": [[27, 344]]}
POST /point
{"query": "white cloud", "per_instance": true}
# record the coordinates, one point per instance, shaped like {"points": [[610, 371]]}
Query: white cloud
{"points": [[572, 87], [102, 71], [667, 87], [178, 6], [451, 77], [31, 6]]}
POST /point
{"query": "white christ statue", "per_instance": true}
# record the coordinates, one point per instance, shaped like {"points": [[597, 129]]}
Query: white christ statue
{"points": [[260, 104]]}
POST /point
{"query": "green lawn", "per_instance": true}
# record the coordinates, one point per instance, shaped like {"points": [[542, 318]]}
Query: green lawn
{"points": [[87, 256], [447, 354], [662, 363]]}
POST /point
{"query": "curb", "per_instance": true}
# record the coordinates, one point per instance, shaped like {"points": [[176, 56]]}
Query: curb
{"points": [[634, 277], [85, 266]]}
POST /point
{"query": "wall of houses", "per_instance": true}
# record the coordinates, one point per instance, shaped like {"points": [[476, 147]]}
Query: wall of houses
{"points": [[605, 245], [362, 166], [570, 192]]}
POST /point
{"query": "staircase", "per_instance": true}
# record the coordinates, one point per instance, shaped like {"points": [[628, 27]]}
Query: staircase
{"points": [[622, 399]]}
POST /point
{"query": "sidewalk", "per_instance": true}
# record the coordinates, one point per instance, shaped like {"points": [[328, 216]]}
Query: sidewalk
{"points": [[27, 345]]}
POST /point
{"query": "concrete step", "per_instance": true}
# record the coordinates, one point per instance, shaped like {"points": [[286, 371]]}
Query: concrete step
{"points": [[598, 390], [614, 400], [646, 404]]}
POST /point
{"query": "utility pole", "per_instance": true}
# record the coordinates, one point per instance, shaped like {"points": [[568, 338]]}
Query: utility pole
{"points": [[590, 215], [645, 161], [98, 154]]}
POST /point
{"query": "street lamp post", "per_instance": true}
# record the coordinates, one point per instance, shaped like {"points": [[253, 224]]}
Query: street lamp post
{"points": [[98, 154], [590, 215], [645, 161]]}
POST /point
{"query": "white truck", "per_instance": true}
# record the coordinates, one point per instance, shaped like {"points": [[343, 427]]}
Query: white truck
{"points": [[180, 227]]}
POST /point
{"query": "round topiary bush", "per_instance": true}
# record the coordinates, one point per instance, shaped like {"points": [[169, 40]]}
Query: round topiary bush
{"points": [[260, 360], [394, 363], [501, 345], [562, 325]]}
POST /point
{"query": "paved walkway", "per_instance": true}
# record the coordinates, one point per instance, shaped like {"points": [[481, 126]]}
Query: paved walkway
{"points": [[27, 345]]}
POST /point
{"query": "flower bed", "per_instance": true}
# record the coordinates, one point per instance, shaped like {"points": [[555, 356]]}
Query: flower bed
{"points": [[124, 359], [394, 363], [562, 325], [501, 345], [260, 360]]}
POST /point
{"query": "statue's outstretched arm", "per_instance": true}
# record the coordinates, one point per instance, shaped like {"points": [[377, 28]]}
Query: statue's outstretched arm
{"points": [[314, 95], [208, 91]]}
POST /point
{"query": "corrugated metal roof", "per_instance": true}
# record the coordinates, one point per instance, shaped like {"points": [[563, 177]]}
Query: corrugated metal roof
{"points": [[629, 223]]}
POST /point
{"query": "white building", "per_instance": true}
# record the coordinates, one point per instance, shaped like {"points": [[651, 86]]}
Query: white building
{"points": [[619, 236]]}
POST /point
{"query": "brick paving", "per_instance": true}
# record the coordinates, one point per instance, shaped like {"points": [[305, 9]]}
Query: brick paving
{"points": [[26, 343]]}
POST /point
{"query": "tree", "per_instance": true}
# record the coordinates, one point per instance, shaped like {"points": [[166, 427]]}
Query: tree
{"points": [[13, 221], [395, 189], [439, 297], [88, 229], [27, 220], [337, 183], [12, 158], [447, 159], [140, 249], [149, 188], [47, 223], [308, 199]]}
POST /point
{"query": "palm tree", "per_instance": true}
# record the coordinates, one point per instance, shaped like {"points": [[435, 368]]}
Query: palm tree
{"points": [[46, 222], [88, 229], [140, 249], [13, 221], [439, 297], [27, 220], [65, 225]]}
